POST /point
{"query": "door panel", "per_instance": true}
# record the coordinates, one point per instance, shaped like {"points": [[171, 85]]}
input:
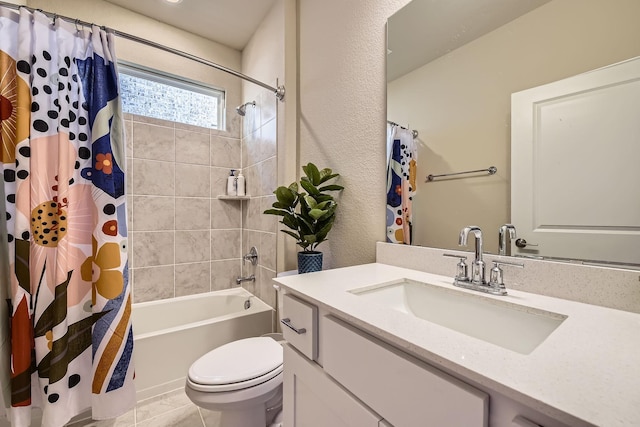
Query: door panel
{"points": [[575, 150]]}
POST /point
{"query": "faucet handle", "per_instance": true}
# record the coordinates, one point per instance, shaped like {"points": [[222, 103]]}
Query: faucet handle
{"points": [[252, 256], [496, 279], [461, 268]]}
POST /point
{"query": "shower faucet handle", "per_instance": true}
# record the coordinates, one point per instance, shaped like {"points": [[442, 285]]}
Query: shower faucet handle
{"points": [[252, 256]]}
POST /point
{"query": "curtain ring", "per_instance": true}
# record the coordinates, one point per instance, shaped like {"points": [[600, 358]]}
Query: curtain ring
{"points": [[76, 22]]}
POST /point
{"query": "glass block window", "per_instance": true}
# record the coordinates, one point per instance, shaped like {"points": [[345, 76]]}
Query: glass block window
{"points": [[155, 94]]}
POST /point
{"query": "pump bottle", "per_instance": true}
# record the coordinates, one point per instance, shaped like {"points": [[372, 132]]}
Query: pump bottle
{"points": [[231, 184]]}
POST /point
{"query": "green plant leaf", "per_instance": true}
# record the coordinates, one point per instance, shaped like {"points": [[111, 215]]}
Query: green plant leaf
{"points": [[323, 205], [322, 234], [293, 187], [326, 174], [279, 205], [294, 235], [316, 214], [331, 187], [311, 238], [311, 202], [323, 197], [330, 212], [306, 227], [312, 189], [285, 196], [289, 221], [312, 173], [279, 212]]}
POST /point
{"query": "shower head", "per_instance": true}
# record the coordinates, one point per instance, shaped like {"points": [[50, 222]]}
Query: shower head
{"points": [[242, 110]]}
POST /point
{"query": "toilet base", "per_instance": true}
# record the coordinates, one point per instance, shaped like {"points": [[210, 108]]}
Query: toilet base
{"points": [[243, 418], [277, 420], [252, 410]]}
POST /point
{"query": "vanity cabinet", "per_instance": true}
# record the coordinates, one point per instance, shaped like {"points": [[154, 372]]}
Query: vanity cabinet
{"points": [[364, 382], [406, 391], [313, 399], [336, 374]]}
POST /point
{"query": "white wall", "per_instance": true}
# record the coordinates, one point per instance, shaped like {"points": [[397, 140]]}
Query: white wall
{"points": [[342, 115]]}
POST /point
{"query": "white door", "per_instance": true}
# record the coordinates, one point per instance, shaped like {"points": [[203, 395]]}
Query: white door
{"points": [[575, 166]]}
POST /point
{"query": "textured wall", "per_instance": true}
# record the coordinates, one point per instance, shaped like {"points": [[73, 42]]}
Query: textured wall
{"points": [[342, 115]]}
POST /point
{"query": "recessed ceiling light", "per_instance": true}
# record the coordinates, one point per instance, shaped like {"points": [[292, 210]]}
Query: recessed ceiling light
{"points": [[173, 1]]}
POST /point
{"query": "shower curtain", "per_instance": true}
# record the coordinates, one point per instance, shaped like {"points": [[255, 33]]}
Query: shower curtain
{"points": [[402, 154], [63, 161]]}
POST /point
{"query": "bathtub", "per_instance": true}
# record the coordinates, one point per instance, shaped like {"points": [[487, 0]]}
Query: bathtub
{"points": [[169, 335]]}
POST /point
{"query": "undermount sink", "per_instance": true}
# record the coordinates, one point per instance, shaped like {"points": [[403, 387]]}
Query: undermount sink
{"points": [[511, 326]]}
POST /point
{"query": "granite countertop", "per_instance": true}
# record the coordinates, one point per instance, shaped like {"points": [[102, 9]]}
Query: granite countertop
{"points": [[587, 369]]}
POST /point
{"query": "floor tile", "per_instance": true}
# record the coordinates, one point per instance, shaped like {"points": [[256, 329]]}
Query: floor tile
{"points": [[162, 404], [187, 416]]}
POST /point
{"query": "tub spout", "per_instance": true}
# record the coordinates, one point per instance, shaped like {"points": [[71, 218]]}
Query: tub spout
{"points": [[251, 278]]}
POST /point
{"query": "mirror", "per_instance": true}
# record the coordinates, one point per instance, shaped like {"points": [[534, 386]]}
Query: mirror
{"points": [[452, 67]]}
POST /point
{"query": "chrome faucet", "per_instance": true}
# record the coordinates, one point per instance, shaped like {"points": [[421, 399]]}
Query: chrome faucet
{"points": [[477, 266], [477, 281], [241, 279], [505, 234]]}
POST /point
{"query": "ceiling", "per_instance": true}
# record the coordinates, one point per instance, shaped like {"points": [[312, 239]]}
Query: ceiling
{"points": [[427, 29], [418, 33], [229, 22]]}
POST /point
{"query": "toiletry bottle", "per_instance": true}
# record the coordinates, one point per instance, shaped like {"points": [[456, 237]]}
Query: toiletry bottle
{"points": [[241, 189], [231, 184]]}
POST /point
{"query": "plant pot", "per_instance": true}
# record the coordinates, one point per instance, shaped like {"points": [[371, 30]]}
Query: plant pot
{"points": [[309, 262]]}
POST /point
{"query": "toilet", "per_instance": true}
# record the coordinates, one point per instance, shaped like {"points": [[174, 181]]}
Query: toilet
{"points": [[242, 380]]}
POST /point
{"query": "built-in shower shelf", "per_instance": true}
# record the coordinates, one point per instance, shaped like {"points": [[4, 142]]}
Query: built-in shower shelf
{"points": [[225, 197]]}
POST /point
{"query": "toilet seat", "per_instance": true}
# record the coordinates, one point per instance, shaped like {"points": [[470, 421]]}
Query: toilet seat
{"points": [[237, 365]]}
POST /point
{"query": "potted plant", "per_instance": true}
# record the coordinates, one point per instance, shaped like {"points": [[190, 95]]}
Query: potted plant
{"points": [[308, 212]]}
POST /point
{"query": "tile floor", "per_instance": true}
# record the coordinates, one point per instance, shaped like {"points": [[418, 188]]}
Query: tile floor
{"points": [[173, 409]]}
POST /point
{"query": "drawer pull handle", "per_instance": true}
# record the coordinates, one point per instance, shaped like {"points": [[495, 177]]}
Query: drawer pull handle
{"points": [[287, 322]]}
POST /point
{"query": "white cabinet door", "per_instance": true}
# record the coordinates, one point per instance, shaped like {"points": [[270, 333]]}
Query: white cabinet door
{"points": [[402, 389], [574, 166], [313, 399]]}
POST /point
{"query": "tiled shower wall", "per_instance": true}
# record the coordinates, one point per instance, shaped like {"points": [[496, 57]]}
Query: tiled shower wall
{"points": [[259, 130], [182, 239]]}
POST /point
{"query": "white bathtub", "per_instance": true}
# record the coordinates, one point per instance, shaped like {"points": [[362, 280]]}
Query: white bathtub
{"points": [[169, 335]]}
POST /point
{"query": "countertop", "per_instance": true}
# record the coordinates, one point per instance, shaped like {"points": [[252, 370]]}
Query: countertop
{"points": [[587, 369]]}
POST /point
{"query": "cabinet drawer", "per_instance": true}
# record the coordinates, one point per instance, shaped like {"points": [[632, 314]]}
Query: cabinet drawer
{"points": [[401, 388], [313, 399], [523, 422], [300, 325]]}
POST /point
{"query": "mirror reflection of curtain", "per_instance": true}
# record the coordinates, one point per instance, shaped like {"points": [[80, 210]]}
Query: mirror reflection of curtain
{"points": [[402, 156], [63, 166]]}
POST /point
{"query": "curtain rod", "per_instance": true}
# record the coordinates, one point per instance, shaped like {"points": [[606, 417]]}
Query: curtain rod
{"points": [[277, 91], [414, 132]]}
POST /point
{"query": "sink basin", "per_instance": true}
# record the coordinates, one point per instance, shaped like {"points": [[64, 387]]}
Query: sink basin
{"points": [[511, 326]]}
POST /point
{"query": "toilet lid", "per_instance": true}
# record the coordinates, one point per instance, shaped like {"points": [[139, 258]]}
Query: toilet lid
{"points": [[237, 361]]}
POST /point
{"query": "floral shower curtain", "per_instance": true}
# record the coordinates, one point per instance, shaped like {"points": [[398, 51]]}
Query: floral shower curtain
{"points": [[401, 183], [63, 161]]}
